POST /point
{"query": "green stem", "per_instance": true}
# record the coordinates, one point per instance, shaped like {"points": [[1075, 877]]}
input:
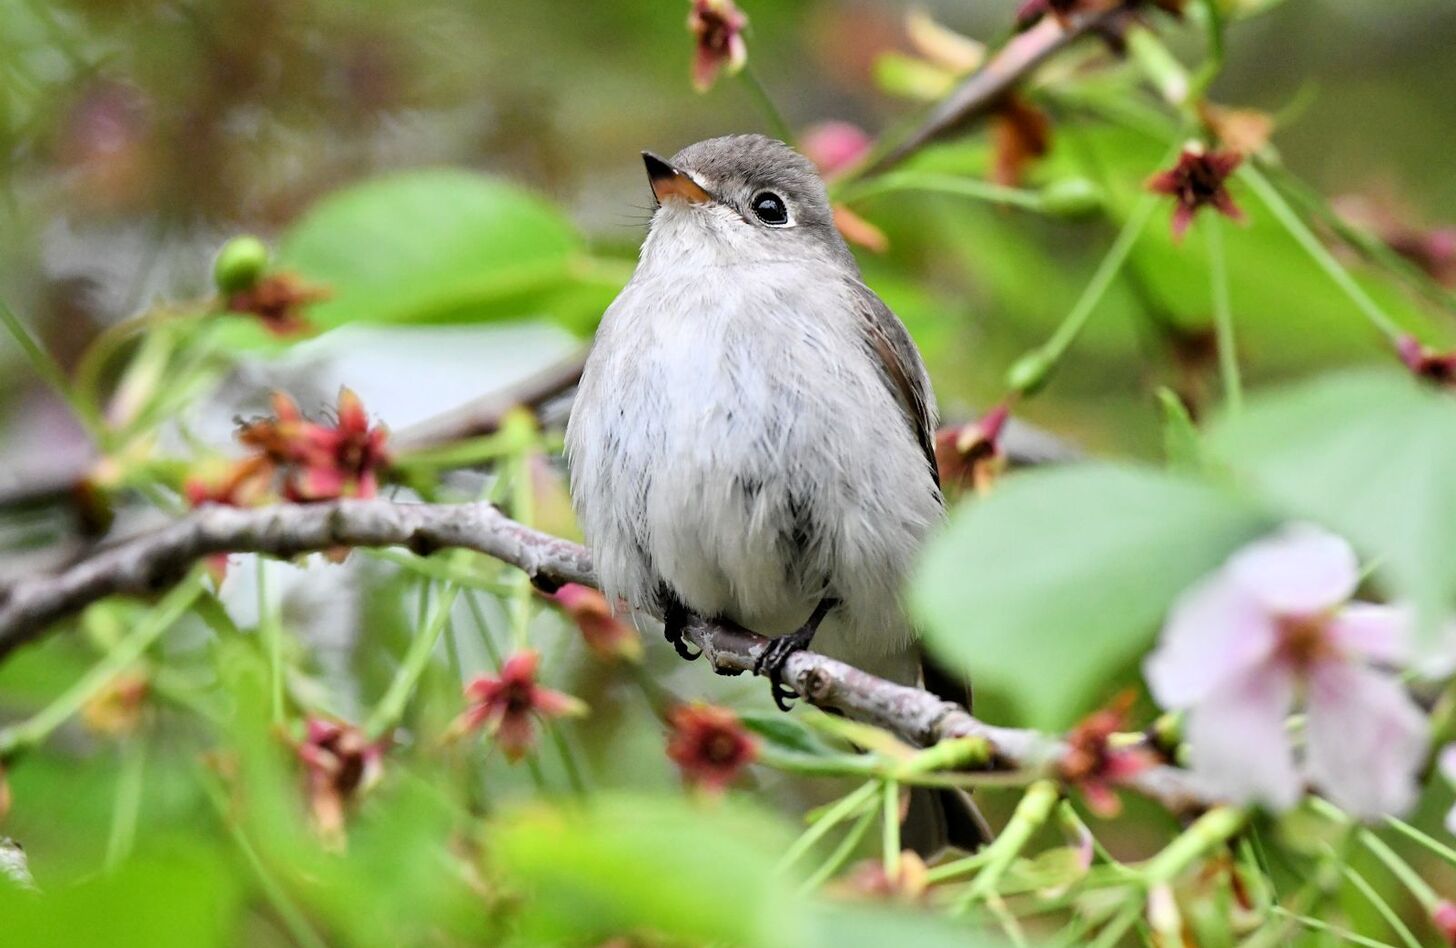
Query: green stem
{"points": [[847, 806], [51, 373], [766, 103], [1032, 370], [931, 182], [1415, 835], [288, 912], [1223, 317], [1214, 57], [1381, 906], [128, 803], [1209, 830], [842, 852], [1317, 251], [1113, 931], [890, 828], [1035, 807], [1401, 869], [270, 626], [1316, 925], [391, 707], [36, 729]]}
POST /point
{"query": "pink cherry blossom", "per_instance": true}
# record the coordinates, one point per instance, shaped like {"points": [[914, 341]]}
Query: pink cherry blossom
{"points": [[1273, 630]]}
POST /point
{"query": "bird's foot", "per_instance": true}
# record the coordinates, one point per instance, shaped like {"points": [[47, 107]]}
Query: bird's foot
{"points": [[775, 655], [674, 628]]}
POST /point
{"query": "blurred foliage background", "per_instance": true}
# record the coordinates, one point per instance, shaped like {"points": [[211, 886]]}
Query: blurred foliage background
{"points": [[137, 135]]}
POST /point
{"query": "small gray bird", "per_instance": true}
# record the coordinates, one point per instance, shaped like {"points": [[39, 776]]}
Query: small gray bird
{"points": [[752, 439]]}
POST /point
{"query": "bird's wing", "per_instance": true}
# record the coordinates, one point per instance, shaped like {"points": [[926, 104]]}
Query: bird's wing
{"points": [[904, 372]]}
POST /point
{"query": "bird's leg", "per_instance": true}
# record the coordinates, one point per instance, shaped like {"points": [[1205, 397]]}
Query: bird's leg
{"points": [[777, 652], [674, 621]]}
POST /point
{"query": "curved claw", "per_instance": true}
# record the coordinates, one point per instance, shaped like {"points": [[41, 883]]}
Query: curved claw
{"points": [[783, 695], [681, 645]]}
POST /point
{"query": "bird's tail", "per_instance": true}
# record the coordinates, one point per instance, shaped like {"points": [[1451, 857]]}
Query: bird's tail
{"points": [[943, 816]]}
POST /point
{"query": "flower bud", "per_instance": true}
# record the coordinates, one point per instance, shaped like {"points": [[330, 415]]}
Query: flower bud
{"points": [[240, 263], [1030, 372], [1071, 197]]}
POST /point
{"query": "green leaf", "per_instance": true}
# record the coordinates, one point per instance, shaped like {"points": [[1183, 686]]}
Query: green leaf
{"points": [[627, 864], [1372, 456], [442, 245], [785, 732], [1182, 446], [1059, 578]]}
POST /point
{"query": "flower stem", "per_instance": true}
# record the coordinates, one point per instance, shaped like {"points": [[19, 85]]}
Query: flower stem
{"points": [[1381, 906], [391, 707], [51, 373], [765, 102], [847, 806], [934, 183], [1415, 835], [1317, 251], [1223, 317], [1035, 807], [841, 852], [128, 803], [271, 627], [1209, 830], [891, 828], [36, 729], [1029, 373]]}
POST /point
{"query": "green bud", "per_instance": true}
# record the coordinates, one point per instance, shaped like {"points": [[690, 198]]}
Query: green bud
{"points": [[240, 264], [1030, 372], [1071, 197]]}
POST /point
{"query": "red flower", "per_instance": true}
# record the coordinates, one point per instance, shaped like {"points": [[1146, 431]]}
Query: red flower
{"points": [[1020, 133], [341, 764], [869, 879], [606, 635], [1197, 181], [835, 146], [970, 455], [321, 462], [1438, 367], [1443, 916], [709, 745], [717, 25], [1094, 764], [278, 301], [503, 707]]}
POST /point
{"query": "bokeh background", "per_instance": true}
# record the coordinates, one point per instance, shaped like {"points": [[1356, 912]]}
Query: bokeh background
{"points": [[136, 136]]}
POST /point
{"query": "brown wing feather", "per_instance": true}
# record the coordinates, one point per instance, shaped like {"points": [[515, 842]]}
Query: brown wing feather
{"points": [[904, 372]]}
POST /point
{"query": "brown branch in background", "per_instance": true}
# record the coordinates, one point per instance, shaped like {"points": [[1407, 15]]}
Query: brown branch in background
{"points": [[984, 90], [152, 562], [483, 415]]}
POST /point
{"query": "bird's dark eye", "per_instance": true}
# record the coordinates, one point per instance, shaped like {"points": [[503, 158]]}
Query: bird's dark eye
{"points": [[770, 208]]}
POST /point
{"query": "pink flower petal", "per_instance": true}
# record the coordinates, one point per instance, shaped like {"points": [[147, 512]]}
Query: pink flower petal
{"points": [[1297, 571], [1366, 740], [1447, 762], [1237, 742], [1377, 633], [1215, 632]]}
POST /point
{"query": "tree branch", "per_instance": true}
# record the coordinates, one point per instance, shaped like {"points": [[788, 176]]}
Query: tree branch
{"points": [[983, 90], [148, 564]]}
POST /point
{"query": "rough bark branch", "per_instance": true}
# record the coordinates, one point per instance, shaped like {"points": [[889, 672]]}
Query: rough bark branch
{"points": [[147, 564]]}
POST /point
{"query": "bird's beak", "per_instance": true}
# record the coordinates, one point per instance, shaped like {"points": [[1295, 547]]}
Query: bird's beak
{"points": [[669, 182]]}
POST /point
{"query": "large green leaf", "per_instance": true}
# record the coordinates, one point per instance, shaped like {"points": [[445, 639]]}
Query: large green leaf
{"points": [[443, 245], [1371, 455], [1059, 578], [627, 864]]}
